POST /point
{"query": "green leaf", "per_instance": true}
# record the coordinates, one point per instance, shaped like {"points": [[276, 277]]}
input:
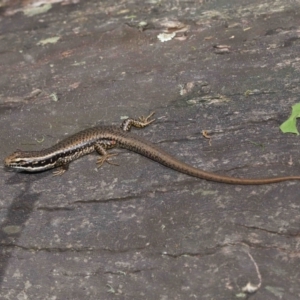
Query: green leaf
{"points": [[290, 124]]}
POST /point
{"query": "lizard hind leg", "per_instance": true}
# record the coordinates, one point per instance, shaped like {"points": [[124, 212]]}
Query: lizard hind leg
{"points": [[141, 122], [145, 121], [104, 156]]}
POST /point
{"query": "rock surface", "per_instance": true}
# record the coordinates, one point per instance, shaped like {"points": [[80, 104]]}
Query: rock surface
{"points": [[140, 230]]}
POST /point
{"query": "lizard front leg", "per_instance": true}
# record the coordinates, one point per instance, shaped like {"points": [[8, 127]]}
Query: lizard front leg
{"points": [[61, 170]]}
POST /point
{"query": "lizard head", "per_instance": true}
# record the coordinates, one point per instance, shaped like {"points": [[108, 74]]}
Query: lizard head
{"points": [[26, 161]]}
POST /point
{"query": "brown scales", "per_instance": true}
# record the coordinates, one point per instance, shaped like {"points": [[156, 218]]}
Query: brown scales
{"points": [[101, 138]]}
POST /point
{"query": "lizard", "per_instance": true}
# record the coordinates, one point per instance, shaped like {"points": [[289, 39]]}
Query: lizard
{"points": [[102, 138]]}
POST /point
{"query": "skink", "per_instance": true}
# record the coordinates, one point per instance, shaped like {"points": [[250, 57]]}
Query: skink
{"points": [[102, 138]]}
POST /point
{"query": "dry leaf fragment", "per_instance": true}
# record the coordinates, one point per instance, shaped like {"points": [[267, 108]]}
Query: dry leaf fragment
{"points": [[207, 136]]}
